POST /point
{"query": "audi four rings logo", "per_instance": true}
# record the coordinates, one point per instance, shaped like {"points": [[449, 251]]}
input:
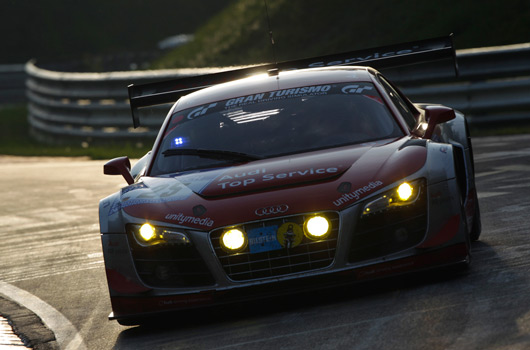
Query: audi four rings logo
{"points": [[273, 209]]}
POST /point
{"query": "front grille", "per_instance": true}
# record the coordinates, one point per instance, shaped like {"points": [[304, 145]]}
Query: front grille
{"points": [[170, 266], [390, 231], [308, 255]]}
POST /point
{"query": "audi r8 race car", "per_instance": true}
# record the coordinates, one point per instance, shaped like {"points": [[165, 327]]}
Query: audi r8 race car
{"points": [[266, 184]]}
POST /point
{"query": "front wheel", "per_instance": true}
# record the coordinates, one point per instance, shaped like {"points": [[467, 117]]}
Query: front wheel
{"points": [[476, 226], [464, 265]]}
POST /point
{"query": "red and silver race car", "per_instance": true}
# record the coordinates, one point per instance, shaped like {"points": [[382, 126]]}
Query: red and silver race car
{"points": [[285, 181]]}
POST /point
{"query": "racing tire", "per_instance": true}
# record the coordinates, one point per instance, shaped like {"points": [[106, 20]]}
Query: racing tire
{"points": [[476, 227], [465, 265]]}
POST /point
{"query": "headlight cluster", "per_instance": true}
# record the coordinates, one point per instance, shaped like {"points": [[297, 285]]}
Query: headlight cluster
{"points": [[402, 195], [148, 235], [317, 227]]}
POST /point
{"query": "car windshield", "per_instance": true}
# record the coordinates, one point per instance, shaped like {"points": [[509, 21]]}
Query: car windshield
{"points": [[273, 123]]}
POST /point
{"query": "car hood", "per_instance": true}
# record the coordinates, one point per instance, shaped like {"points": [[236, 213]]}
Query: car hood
{"points": [[314, 181]]}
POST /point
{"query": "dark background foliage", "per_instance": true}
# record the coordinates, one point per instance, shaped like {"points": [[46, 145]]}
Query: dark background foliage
{"points": [[231, 32]]}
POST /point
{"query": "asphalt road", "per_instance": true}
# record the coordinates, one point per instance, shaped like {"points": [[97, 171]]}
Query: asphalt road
{"points": [[51, 261]]}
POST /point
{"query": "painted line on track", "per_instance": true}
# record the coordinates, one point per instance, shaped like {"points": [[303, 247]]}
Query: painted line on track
{"points": [[65, 332]]}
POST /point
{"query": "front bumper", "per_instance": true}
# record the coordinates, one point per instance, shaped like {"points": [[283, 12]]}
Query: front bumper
{"points": [[439, 239], [146, 305]]}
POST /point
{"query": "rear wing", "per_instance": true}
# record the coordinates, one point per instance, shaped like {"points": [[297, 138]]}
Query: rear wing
{"points": [[151, 94]]}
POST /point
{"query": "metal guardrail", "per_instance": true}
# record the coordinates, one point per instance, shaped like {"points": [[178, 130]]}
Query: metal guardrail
{"points": [[493, 86], [92, 104]]}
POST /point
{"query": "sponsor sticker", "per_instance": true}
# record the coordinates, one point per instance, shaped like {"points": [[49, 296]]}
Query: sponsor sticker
{"points": [[375, 55], [115, 207], [278, 95], [133, 187], [290, 234], [356, 194], [261, 175], [160, 193], [200, 111], [186, 219], [356, 89], [263, 239]]}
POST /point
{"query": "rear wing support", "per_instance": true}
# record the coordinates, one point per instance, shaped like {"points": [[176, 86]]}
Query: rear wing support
{"points": [[151, 94]]}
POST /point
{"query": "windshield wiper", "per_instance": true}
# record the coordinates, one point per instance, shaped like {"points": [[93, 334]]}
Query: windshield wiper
{"points": [[211, 153]]}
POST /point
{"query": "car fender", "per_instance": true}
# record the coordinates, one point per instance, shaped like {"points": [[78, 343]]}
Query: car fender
{"points": [[440, 162], [110, 215], [456, 133], [446, 220]]}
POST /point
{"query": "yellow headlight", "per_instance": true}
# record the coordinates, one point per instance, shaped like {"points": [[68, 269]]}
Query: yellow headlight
{"points": [[233, 239], [405, 191], [147, 232], [317, 227], [404, 195]]}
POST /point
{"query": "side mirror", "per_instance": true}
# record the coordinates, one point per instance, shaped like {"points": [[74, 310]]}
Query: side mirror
{"points": [[436, 115], [119, 166]]}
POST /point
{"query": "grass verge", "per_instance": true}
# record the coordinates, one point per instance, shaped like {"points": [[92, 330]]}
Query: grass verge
{"points": [[16, 140]]}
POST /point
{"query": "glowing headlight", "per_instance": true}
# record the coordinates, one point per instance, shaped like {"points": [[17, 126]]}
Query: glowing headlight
{"points": [[233, 240], [147, 232], [404, 191], [317, 227], [148, 235], [404, 194]]}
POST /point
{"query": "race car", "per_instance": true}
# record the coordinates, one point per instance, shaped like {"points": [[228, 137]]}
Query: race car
{"points": [[268, 184]]}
